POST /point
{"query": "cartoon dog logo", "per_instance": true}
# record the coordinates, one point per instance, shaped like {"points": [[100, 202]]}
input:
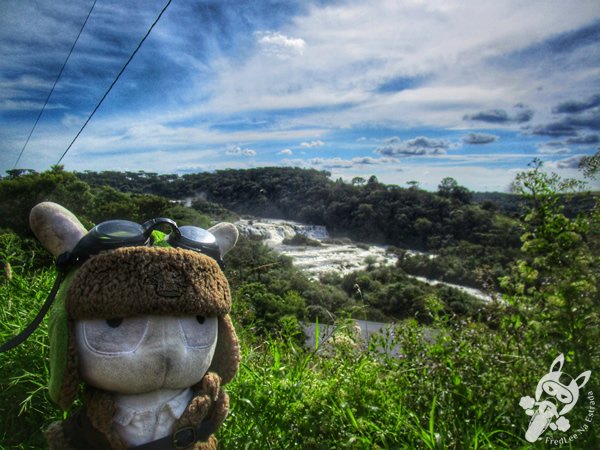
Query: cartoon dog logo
{"points": [[555, 390]]}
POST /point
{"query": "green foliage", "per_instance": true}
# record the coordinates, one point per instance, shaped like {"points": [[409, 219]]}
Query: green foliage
{"points": [[448, 374], [557, 281], [25, 409], [265, 308], [457, 391], [20, 193], [188, 216], [364, 210]]}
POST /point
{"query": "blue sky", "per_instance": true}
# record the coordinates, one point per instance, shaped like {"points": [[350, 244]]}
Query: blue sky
{"points": [[404, 90]]}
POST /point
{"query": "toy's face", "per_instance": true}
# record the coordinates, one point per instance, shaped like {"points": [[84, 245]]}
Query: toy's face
{"points": [[143, 354], [564, 394], [558, 388]]}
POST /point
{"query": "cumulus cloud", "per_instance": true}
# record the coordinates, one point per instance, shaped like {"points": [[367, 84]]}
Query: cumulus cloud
{"points": [[339, 163], [311, 144], [589, 119], [569, 163], [479, 138], [554, 129], [521, 114], [574, 106], [553, 148], [279, 45], [570, 124], [413, 147], [285, 151], [367, 160], [237, 150], [587, 139]]}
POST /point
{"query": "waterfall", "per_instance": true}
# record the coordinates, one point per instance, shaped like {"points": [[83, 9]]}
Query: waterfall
{"points": [[314, 260], [330, 255]]}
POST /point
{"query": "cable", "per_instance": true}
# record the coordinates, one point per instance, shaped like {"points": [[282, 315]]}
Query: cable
{"points": [[114, 81], [54, 85]]}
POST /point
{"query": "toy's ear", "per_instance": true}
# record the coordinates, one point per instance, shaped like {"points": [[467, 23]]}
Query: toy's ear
{"points": [[56, 227], [226, 234], [584, 377], [559, 361]]}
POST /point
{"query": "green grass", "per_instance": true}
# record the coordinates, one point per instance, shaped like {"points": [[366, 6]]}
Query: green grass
{"points": [[25, 408], [460, 392]]}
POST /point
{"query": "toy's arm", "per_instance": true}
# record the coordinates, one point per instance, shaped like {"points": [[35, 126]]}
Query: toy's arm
{"points": [[210, 404]]}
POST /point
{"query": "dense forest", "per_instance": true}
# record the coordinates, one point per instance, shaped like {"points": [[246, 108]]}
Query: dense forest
{"points": [[458, 390], [475, 235], [472, 240]]}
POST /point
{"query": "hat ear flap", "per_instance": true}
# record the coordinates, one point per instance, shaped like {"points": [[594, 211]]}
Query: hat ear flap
{"points": [[70, 381], [226, 359], [64, 374]]}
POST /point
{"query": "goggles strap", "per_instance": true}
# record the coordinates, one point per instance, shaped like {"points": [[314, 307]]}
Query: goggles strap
{"points": [[23, 335]]}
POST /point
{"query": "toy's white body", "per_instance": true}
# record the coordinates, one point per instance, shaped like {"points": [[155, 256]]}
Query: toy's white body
{"points": [[146, 417]]}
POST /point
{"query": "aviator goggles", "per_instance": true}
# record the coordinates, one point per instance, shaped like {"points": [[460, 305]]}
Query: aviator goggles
{"points": [[115, 234]]}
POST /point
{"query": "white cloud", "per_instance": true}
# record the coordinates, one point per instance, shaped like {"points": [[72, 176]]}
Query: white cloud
{"points": [[339, 163], [479, 138], [279, 45], [285, 151], [553, 148], [312, 144], [237, 150], [413, 147], [446, 49]]}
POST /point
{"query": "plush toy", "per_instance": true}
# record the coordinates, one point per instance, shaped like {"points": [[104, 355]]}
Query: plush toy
{"points": [[141, 321]]}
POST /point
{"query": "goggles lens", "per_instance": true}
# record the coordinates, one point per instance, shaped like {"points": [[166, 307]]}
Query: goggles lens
{"points": [[119, 229], [196, 239]]}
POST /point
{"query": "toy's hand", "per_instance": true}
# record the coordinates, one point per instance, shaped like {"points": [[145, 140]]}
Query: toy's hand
{"points": [[563, 423], [205, 396], [209, 402], [526, 402]]}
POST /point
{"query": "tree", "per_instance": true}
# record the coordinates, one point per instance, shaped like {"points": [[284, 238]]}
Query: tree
{"points": [[373, 180], [556, 284], [450, 188], [266, 307], [590, 165]]}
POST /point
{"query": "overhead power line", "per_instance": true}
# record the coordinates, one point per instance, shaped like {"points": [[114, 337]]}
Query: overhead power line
{"points": [[54, 85], [114, 81]]}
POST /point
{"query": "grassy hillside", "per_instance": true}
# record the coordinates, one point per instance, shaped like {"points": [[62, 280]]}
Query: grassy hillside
{"points": [[459, 390]]}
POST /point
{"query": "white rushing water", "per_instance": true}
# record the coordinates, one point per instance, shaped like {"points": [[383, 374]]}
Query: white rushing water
{"points": [[330, 255], [342, 257]]}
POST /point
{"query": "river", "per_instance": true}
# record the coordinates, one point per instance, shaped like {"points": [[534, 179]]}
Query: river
{"points": [[341, 256]]}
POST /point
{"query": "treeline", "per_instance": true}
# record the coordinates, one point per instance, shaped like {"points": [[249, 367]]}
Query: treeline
{"points": [[472, 240], [365, 210], [92, 204]]}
